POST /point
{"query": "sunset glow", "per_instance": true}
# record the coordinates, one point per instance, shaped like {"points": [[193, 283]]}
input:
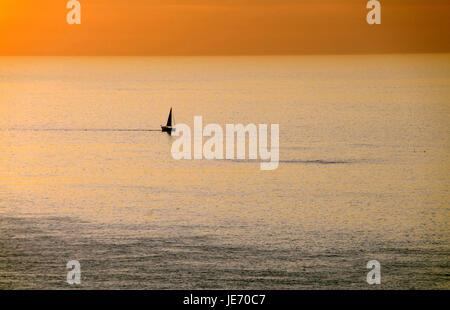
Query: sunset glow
{"points": [[210, 27]]}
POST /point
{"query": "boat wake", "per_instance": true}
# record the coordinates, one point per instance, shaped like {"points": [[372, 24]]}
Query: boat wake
{"points": [[302, 161], [79, 129]]}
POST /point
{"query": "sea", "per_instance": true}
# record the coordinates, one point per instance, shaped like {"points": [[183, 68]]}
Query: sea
{"points": [[363, 175]]}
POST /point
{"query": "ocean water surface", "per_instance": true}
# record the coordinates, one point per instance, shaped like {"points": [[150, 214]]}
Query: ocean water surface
{"points": [[363, 174]]}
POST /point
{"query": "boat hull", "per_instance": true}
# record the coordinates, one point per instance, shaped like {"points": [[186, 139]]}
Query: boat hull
{"points": [[168, 129]]}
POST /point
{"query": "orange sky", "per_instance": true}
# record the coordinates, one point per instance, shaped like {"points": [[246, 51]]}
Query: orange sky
{"points": [[214, 27]]}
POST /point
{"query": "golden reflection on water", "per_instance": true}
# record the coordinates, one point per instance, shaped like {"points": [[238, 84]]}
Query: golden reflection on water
{"points": [[364, 155]]}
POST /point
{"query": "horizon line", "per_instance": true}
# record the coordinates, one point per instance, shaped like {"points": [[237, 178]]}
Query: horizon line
{"points": [[227, 55]]}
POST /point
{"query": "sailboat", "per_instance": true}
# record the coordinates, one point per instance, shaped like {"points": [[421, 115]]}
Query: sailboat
{"points": [[170, 123]]}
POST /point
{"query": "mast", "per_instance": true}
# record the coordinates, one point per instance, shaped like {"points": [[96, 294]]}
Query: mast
{"points": [[169, 120]]}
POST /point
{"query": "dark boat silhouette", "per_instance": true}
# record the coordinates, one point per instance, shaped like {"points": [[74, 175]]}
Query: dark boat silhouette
{"points": [[170, 123]]}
